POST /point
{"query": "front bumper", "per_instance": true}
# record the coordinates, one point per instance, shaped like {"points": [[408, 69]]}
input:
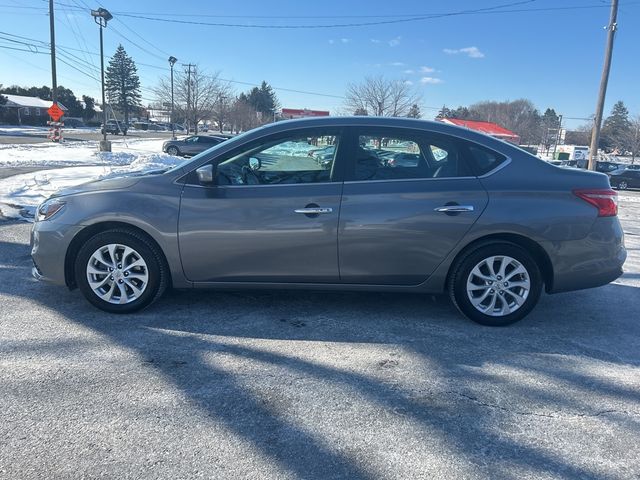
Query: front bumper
{"points": [[49, 244]]}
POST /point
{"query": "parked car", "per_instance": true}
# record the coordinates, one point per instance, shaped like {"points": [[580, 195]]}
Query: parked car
{"points": [[191, 145], [115, 128], [324, 156], [605, 167], [483, 221], [624, 178]]}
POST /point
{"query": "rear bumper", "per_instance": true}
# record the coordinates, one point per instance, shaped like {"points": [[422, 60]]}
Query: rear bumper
{"points": [[590, 262]]}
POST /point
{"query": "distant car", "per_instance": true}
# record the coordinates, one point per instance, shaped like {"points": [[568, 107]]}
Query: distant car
{"points": [[324, 156], [605, 167], [624, 178], [191, 145], [114, 128]]}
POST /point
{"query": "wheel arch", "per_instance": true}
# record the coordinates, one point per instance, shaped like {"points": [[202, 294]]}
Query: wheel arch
{"points": [[531, 246], [86, 233]]}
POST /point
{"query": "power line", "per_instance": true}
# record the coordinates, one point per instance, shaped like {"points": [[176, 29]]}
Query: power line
{"points": [[390, 19], [409, 16], [338, 25]]}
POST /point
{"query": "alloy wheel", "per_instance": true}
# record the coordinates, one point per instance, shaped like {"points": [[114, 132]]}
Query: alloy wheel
{"points": [[498, 285], [117, 273]]}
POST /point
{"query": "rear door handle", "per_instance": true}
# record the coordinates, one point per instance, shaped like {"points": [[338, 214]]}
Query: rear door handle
{"points": [[454, 208], [313, 210]]}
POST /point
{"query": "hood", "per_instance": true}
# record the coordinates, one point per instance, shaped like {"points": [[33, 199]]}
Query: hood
{"points": [[111, 182]]}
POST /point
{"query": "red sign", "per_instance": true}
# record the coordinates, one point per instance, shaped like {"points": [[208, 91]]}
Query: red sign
{"points": [[55, 112]]}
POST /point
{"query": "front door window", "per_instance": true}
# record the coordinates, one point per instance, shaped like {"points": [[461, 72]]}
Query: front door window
{"points": [[299, 158]]}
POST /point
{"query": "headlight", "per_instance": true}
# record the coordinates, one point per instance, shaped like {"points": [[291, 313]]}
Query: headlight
{"points": [[48, 209]]}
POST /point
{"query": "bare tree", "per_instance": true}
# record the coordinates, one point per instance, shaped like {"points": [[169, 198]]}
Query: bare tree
{"points": [[195, 95], [223, 106], [242, 115], [634, 140], [381, 97], [579, 136]]}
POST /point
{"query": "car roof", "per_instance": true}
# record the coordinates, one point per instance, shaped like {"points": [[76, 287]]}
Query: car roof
{"points": [[382, 122]]}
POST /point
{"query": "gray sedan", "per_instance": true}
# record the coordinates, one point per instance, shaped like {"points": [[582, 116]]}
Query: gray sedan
{"points": [[474, 217], [191, 145]]}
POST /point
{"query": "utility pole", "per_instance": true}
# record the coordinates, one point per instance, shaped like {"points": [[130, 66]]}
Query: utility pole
{"points": [[54, 131], [597, 122], [189, 65], [52, 30]]}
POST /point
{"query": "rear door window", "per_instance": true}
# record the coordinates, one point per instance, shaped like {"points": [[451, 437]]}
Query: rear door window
{"points": [[398, 155]]}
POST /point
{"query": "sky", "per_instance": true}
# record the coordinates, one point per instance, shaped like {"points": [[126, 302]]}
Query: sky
{"points": [[454, 53]]}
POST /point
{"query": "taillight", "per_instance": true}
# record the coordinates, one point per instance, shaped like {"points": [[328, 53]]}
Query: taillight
{"points": [[605, 200]]}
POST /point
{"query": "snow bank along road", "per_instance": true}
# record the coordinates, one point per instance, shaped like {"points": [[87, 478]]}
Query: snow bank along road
{"points": [[43, 173], [317, 385]]}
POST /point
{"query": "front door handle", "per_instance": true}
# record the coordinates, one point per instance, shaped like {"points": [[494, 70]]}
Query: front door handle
{"points": [[454, 208], [313, 210]]}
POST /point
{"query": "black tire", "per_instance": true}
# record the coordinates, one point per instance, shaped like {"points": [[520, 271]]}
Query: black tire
{"points": [[157, 269], [173, 151], [461, 272], [623, 185]]}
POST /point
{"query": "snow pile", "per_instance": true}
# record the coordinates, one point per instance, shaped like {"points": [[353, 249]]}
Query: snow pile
{"points": [[31, 189], [21, 194], [30, 130], [76, 153]]}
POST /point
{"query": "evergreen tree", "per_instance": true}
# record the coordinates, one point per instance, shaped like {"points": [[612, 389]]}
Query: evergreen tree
{"points": [[414, 111], [550, 126], [67, 98], [462, 113], [616, 129], [122, 83], [263, 100], [3, 100], [89, 108], [361, 112], [444, 112]]}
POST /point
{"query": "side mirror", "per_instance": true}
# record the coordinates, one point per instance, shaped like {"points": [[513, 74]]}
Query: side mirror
{"points": [[255, 163], [205, 174]]}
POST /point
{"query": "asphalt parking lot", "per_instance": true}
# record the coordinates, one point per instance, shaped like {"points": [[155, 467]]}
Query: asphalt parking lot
{"points": [[317, 385]]}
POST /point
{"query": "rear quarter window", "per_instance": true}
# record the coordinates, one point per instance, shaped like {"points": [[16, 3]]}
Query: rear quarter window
{"points": [[482, 160]]}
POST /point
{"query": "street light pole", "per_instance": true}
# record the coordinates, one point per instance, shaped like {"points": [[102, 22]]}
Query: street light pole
{"points": [[172, 62], [101, 17]]}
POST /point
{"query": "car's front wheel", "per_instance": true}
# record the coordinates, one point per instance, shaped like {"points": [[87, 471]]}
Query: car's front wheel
{"points": [[623, 185], [120, 271], [173, 151], [496, 284]]}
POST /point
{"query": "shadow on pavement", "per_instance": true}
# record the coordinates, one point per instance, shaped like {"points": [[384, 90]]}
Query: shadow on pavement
{"points": [[186, 336]]}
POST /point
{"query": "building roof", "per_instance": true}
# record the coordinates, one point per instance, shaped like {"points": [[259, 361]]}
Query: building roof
{"points": [[489, 128], [33, 102]]}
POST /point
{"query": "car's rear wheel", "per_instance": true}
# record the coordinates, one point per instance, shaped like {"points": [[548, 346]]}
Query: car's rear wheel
{"points": [[496, 284], [120, 271], [173, 151]]}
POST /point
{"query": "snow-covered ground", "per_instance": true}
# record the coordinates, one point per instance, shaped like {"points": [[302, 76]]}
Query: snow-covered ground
{"points": [[18, 130], [124, 151], [21, 194]]}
